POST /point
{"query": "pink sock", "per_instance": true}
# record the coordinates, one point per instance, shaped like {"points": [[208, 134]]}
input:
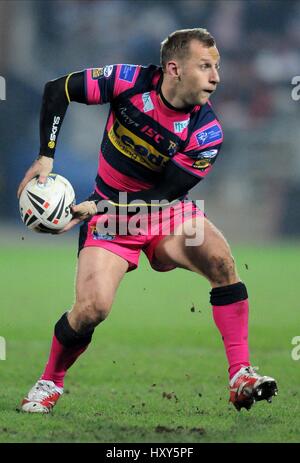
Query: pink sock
{"points": [[60, 359], [232, 322]]}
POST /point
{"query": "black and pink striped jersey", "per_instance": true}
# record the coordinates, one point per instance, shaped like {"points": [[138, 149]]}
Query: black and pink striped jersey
{"points": [[144, 133]]}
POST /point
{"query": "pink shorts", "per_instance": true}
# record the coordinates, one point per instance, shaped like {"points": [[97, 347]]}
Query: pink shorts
{"points": [[138, 233]]}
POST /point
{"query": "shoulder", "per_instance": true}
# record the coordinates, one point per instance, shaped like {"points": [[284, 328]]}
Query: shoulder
{"points": [[206, 128], [202, 115], [127, 72], [129, 76], [130, 72]]}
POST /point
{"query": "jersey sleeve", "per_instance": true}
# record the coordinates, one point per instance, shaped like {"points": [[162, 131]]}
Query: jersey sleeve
{"points": [[202, 150], [104, 84]]}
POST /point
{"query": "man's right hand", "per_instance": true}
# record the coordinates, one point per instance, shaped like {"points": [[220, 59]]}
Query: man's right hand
{"points": [[41, 167]]}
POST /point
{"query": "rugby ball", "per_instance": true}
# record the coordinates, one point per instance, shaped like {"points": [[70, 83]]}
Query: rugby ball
{"points": [[46, 208]]}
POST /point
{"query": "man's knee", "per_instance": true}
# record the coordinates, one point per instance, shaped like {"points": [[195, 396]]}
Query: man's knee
{"points": [[220, 269], [88, 312]]}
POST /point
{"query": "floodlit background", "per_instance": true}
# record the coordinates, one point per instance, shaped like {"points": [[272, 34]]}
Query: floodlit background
{"points": [[156, 370], [253, 192]]}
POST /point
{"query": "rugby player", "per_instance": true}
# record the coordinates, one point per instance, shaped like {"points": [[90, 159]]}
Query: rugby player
{"points": [[162, 137]]}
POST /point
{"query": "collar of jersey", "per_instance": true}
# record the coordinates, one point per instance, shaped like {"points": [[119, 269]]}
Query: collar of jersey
{"points": [[186, 110]]}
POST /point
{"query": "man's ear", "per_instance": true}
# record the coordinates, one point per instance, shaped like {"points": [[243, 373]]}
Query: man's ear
{"points": [[173, 69]]}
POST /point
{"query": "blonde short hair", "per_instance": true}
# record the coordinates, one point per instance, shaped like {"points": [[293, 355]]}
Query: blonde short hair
{"points": [[176, 45]]}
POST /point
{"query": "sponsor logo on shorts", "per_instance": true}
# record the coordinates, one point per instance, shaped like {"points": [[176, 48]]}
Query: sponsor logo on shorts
{"points": [[108, 70], [144, 219], [210, 135], [127, 72], [97, 73], [180, 126], [148, 104], [101, 236]]}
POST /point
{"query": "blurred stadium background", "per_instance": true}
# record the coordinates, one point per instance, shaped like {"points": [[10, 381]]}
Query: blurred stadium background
{"points": [[253, 192]]}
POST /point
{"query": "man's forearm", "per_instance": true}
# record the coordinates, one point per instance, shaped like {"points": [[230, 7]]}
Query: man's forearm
{"points": [[54, 107], [56, 98]]}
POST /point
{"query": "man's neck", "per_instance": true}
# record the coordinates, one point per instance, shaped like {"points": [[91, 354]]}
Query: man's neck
{"points": [[171, 96], [171, 99]]}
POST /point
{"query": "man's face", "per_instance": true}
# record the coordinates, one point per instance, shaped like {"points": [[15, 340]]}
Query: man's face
{"points": [[198, 73]]}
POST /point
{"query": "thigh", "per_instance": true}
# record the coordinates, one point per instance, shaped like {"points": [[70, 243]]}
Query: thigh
{"points": [[99, 274], [197, 257]]}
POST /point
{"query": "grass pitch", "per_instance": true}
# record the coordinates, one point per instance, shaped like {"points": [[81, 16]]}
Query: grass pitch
{"points": [[156, 370]]}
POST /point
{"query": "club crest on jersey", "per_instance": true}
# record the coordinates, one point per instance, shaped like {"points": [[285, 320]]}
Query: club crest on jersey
{"points": [[180, 126], [173, 148], [97, 73], [107, 71], [127, 72], [210, 135], [148, 105]]}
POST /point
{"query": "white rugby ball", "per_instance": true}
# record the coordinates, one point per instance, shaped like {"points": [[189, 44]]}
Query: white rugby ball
{"points": [[46, 208]]}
